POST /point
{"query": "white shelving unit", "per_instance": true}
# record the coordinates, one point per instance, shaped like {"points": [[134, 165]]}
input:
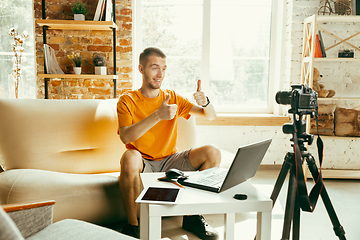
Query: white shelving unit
{"points": [[308, 50], [311, 26], [308, 60]]}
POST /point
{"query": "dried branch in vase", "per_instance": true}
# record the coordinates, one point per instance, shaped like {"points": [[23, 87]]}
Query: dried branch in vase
{"points": [[18, 49]]}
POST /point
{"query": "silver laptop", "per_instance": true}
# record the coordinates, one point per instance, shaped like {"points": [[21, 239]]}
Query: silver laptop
{"points": [[244, 166]]}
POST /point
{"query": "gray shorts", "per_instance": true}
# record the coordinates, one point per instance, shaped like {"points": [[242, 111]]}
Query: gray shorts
{"points": [[179, 160]]}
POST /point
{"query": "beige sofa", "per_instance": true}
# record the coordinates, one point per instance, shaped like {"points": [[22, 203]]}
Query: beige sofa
{"points": [[67, 151]]}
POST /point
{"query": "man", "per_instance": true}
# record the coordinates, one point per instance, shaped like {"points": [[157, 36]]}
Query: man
{"points": [[148, 126]]}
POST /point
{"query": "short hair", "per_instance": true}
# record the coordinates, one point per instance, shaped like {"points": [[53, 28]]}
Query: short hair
{"points": [[150, 52]]}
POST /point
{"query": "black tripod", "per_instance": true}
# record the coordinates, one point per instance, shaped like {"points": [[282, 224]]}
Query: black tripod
{"points": [[292, 209]]}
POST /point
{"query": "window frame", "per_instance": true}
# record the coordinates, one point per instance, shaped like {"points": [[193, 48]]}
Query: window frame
{"points": [[27, 84], [276, 65]]}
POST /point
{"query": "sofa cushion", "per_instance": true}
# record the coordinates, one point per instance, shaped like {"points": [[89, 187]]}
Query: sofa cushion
{"points": [[74, 136]]}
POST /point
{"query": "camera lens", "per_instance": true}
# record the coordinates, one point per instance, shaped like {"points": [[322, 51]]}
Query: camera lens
{"points": [[283, 97]]}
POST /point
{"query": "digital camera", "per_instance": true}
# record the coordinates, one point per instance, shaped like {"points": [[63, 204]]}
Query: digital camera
{"points": [[302, 99]]}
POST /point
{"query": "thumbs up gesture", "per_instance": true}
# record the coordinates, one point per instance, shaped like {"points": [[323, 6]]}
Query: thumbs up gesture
{"points": [[199, 95], [167, 111]]}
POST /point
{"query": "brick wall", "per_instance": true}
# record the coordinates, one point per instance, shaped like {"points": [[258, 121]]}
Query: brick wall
{"points": [[87, 43]]}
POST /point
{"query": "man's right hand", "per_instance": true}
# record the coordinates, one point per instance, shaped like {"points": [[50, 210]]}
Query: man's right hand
{"points": [[167, 111], [131, 133]]}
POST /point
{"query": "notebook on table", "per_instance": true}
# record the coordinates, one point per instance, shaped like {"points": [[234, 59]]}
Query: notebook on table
{"points": [[244, 166]]}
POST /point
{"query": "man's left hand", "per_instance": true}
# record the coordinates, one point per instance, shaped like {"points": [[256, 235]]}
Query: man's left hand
{"points": [[199, 96]]}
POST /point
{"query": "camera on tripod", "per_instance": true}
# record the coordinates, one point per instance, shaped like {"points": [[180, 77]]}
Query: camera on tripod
{"points": [[303, 101]]}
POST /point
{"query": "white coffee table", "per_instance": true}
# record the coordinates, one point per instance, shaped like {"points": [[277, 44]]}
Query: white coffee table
{"points": [[195, 201]]}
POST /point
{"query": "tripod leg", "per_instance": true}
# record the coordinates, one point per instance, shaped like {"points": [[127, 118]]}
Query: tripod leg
{"points": [[290, 206], [296, 221], [281, 178], [338, 229]]}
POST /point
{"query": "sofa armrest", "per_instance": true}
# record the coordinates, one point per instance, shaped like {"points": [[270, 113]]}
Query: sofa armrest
{"points": [[21, 206], [30, 218]]}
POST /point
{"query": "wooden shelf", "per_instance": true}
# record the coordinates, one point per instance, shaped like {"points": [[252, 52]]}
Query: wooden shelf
{"points": [[325, 137], [76, 25], [327, 173], [328, 59], [337, 174], [82, 76], [338, 99], [338, 18], [325, 59], [109, 27], [245, 120]]}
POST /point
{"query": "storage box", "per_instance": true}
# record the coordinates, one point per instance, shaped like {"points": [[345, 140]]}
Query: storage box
{"points": [[326, 120], [347, 122]]}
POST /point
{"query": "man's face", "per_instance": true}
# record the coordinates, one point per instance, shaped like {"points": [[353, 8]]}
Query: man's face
{"points": [[153, 72]]}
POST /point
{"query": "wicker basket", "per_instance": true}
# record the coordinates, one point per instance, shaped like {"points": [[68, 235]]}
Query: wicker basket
{"points": [[343, 7]]}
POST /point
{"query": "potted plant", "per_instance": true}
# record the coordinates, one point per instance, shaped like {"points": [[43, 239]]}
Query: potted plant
{"points": [[77, 59], [79, 10], [99, 63]]}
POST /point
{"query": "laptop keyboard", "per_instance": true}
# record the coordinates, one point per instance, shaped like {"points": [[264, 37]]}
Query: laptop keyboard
{"points": [[213, 180]]}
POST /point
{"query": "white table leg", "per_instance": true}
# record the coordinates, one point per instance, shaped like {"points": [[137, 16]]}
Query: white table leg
{"points": [[263, 226], [155, 228], [229, 227], [144, 221]]}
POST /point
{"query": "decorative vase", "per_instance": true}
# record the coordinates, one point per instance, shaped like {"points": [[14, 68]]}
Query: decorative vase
{"points": [[77, 70], [14, 87], [79, 17], [100, 70]]}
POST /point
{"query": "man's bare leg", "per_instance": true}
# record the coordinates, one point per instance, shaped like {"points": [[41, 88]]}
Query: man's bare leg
{"points": [[205, 157], [129, 181]]}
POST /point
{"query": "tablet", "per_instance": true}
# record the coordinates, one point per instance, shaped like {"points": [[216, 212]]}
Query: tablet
{"points": [[160, 195]]}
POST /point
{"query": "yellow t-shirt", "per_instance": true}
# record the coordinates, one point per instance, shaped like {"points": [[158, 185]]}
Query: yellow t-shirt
{"points": [[160, 141]]}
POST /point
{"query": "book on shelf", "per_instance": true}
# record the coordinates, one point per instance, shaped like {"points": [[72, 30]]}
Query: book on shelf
{"points": [[104, 11], [108, 12], [51, 65], [318, 53], [98, 11], [317, 48], [322, 46]]}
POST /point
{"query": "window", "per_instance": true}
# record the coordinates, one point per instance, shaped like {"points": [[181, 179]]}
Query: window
{"points": [[226, 43], [16, 14]]}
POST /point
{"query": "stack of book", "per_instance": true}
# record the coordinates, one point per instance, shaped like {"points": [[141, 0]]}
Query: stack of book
{"points": [[104, 11]]}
